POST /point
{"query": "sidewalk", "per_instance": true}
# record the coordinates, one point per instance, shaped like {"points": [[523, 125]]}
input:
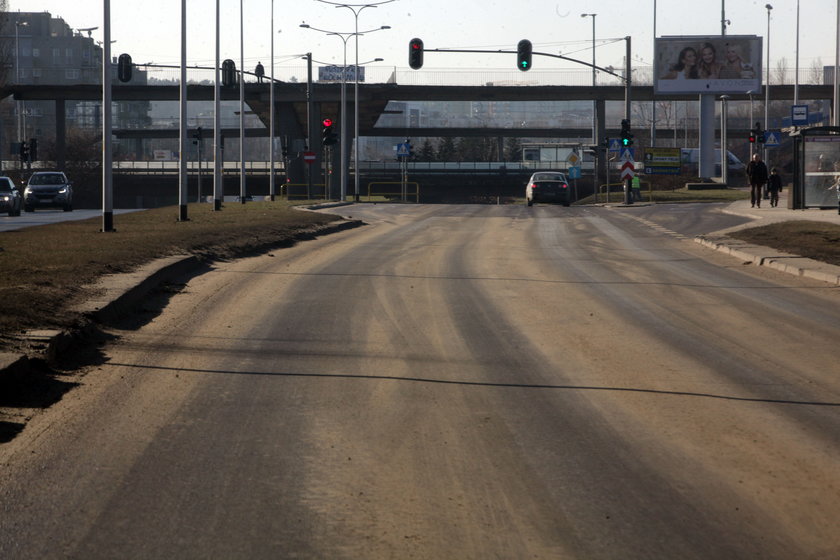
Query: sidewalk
{"points": [[765, 256]]}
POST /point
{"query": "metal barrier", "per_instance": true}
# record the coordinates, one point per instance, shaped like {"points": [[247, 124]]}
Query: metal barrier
{"points": [[400, 194], [620, 191], [296, 194]]}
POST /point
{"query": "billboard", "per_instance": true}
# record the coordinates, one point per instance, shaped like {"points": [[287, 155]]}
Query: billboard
{"points": [[707, 64]]}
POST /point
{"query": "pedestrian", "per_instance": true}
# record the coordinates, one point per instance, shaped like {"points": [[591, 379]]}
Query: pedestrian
{"points": [[757, 174], [259, 72], [774, 186], [636, 188]]}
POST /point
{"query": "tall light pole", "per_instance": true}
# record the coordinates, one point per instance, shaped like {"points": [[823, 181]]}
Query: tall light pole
{"points": [[271, 185], [356, 9], [344, 36], [594, 106], [218, 189], [796, 77], [18, 25], [242, 190], [107, 154], [835, 121], [653, 102], [767, 82]]}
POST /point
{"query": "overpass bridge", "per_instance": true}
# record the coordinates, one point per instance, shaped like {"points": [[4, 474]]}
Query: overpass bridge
{"points": [[298, 110]]}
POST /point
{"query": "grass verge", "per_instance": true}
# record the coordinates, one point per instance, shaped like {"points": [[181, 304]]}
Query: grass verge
{"points": [[43, 269]]}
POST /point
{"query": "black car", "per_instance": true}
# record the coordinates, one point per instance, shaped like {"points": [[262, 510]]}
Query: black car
{"points": [[10, 200], [548, 186], [48, 189]]}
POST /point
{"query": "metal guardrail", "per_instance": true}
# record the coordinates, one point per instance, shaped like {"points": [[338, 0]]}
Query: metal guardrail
{"points": [[402, 195]]}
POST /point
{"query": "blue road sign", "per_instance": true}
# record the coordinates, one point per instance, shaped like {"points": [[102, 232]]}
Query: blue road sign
{"points": [[799, 114], [402, 149], [772, 138], [574, 172], [615, 145]]}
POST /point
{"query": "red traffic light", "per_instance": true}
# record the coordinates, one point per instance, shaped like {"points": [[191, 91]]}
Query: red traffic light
{"points": [[327, 122], [415, 53]]}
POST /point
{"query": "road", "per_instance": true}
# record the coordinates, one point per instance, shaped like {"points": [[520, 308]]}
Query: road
{"points": [[453, 382], [48, 216]]}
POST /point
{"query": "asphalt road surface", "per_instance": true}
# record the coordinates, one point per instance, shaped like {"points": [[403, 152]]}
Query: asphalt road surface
{"points": [[452, 382], [48, 216]]}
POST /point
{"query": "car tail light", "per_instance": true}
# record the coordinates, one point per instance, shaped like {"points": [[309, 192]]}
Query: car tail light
{"points": [[565, 186]]}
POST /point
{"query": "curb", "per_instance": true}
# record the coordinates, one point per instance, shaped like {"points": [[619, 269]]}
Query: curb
{"points": [[119, 294], [777, 260]]}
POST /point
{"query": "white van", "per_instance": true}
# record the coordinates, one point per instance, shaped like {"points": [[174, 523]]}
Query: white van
{"points": [[690, 160]]}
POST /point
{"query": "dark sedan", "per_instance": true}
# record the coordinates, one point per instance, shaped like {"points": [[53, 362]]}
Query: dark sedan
{"points": [[10, 200], [548, 186]]}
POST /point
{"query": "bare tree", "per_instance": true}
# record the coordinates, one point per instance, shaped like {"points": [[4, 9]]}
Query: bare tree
{"points": [[779, 75], [815, 72]]}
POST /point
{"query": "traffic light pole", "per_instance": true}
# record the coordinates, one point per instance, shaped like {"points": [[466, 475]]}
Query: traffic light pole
{"points": [[626, 78]]}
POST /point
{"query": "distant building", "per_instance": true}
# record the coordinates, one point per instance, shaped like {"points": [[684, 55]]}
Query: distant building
{"points": [[44, 50]]}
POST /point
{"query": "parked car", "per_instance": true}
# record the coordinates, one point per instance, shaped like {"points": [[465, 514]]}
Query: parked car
{"points": [[48, 189], [548, 186], [10, 199]]}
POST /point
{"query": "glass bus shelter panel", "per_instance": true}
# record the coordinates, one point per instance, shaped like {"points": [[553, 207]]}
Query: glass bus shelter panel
{"points": [[822, 171]]}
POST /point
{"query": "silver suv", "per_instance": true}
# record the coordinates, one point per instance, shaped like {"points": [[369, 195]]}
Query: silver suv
{"points": [[48, 189]]}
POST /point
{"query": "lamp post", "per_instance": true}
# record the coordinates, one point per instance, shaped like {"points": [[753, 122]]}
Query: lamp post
{"points": [[724, 153], [767, 85], [594, 109], [344, 36], [751, 93], [271, 185], [356, 9], [18, 25]]}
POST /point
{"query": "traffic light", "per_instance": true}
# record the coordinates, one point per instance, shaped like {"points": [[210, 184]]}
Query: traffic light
{"points": [[523, 55], [415, 53], [197, 135], [228, 73], [328, 136], [753, 136], [124, 68], [410, 147], [761, 136], [24, 152], [33, 149], [626, 135]]}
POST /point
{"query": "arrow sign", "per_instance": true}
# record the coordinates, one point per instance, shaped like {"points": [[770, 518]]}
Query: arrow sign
{"points": [[627, 170]]}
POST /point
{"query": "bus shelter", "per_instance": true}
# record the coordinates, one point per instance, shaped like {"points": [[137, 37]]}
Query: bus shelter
{"points": [[816, 168]]}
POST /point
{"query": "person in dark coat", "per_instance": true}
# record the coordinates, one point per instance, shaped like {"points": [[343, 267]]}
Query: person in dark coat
{"points": [[757, 173], [259, 72], [774, 186]]}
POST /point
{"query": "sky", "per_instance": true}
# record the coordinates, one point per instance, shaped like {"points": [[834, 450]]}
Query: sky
{"points": [[149, 30]]}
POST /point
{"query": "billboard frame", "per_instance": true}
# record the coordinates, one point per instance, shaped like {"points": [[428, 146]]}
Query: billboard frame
{"points": [[724, 74]]}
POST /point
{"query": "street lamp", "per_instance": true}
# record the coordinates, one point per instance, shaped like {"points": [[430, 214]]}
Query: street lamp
{"points": [[18, 25], [751, 93], [594, 106], [356, 9], [724, 153], [767, 84], [344, 36]]}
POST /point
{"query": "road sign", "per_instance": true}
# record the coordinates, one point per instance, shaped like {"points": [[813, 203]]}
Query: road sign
{"points": [[309, 157], [627, 170], [402, 149], [772, 138], [662, 161], [799, 114], [627, 154], [615, 145], [573, 158], [574, 172]]}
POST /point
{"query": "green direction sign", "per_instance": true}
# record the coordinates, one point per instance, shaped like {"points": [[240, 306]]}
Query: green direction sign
{"points": [[662, 161]]}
